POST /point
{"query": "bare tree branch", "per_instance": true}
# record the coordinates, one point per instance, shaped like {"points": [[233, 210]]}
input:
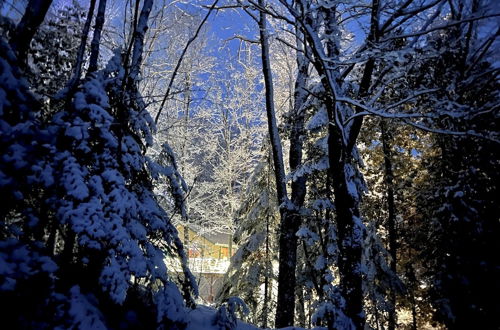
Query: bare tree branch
{"points": [[179, 62]]}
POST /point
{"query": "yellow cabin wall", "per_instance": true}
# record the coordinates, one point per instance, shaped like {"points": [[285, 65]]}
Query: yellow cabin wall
{"points": [[200, 247]]}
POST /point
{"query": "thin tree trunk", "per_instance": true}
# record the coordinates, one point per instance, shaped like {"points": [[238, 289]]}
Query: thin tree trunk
{"points": [[301, 314], [298, 185], [391, 220], [27, 27], [96, 39], [187, 97], [230, 177], [185, 239], [414, 325], [285, 309], [70, 86], [412, 283], [265, 307], [139, 35], [130, 81]]}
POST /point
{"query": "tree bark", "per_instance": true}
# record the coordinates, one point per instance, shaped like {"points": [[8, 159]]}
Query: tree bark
{"points": [[27, 27], [96, 39], [297, 119], [341, 142], [68, 91], [139, 34], [268, 269], [298, 185], [391, 219], [348, 224], [341, 170], [285, 309]]}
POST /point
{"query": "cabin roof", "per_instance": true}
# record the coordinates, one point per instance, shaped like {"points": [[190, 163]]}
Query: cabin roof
{"points": [[215, 237]]}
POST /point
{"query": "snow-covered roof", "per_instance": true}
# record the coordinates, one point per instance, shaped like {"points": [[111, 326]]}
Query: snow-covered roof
{"points": [[216, 237]]}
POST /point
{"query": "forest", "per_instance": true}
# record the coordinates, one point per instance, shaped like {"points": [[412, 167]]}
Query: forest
{"points": [[342, 155]]}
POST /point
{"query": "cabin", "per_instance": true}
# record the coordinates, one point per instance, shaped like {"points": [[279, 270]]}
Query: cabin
{"points": [[209, 255]]}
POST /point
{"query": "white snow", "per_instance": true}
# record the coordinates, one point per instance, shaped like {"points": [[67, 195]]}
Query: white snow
{"points": [[202, 318], [84, 313]]}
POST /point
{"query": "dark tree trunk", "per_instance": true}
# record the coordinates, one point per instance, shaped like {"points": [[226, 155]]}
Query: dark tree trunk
{"points": [[265, 308], [288, 242], [349, 228], [350, 231], [341, 171], [298, 185], [391, 219], [27, 27], [297, 119], [138, 41], [301, 311], [73, 82], [96, 39], [341, 142]]}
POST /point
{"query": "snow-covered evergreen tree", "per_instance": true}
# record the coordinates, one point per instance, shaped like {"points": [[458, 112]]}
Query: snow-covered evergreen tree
{"points": [[460, 208], [252, 273], [84, 239], [28, 267]]}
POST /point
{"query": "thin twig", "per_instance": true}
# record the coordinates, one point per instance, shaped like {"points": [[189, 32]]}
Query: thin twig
{"points": [[179, 62]]}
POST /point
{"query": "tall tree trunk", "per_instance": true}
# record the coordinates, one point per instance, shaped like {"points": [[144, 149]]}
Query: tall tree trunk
{"points": [[96, 39], [285, 309], [27, 27], [410, 274], [138, 42], [349, 227], [297, 119], [341, 172], [268, 269], [298, 185], [265, 307], [77, 70], [301, 313], [341, 141], [230, 178], [391, 219]]}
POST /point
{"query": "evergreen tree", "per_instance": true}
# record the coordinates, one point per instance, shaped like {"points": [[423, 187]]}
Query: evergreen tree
{"points": [[461, 207], [252, 273], [82, 225]]}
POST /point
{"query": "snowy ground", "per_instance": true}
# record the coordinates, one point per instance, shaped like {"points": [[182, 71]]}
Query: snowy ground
{"points": [[202, 318]]}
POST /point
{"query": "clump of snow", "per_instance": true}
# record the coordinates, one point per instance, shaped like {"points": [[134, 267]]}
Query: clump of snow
{"points": [[170, 305], [18, 261], [318, 120], [307, 235], [85, 314]]}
